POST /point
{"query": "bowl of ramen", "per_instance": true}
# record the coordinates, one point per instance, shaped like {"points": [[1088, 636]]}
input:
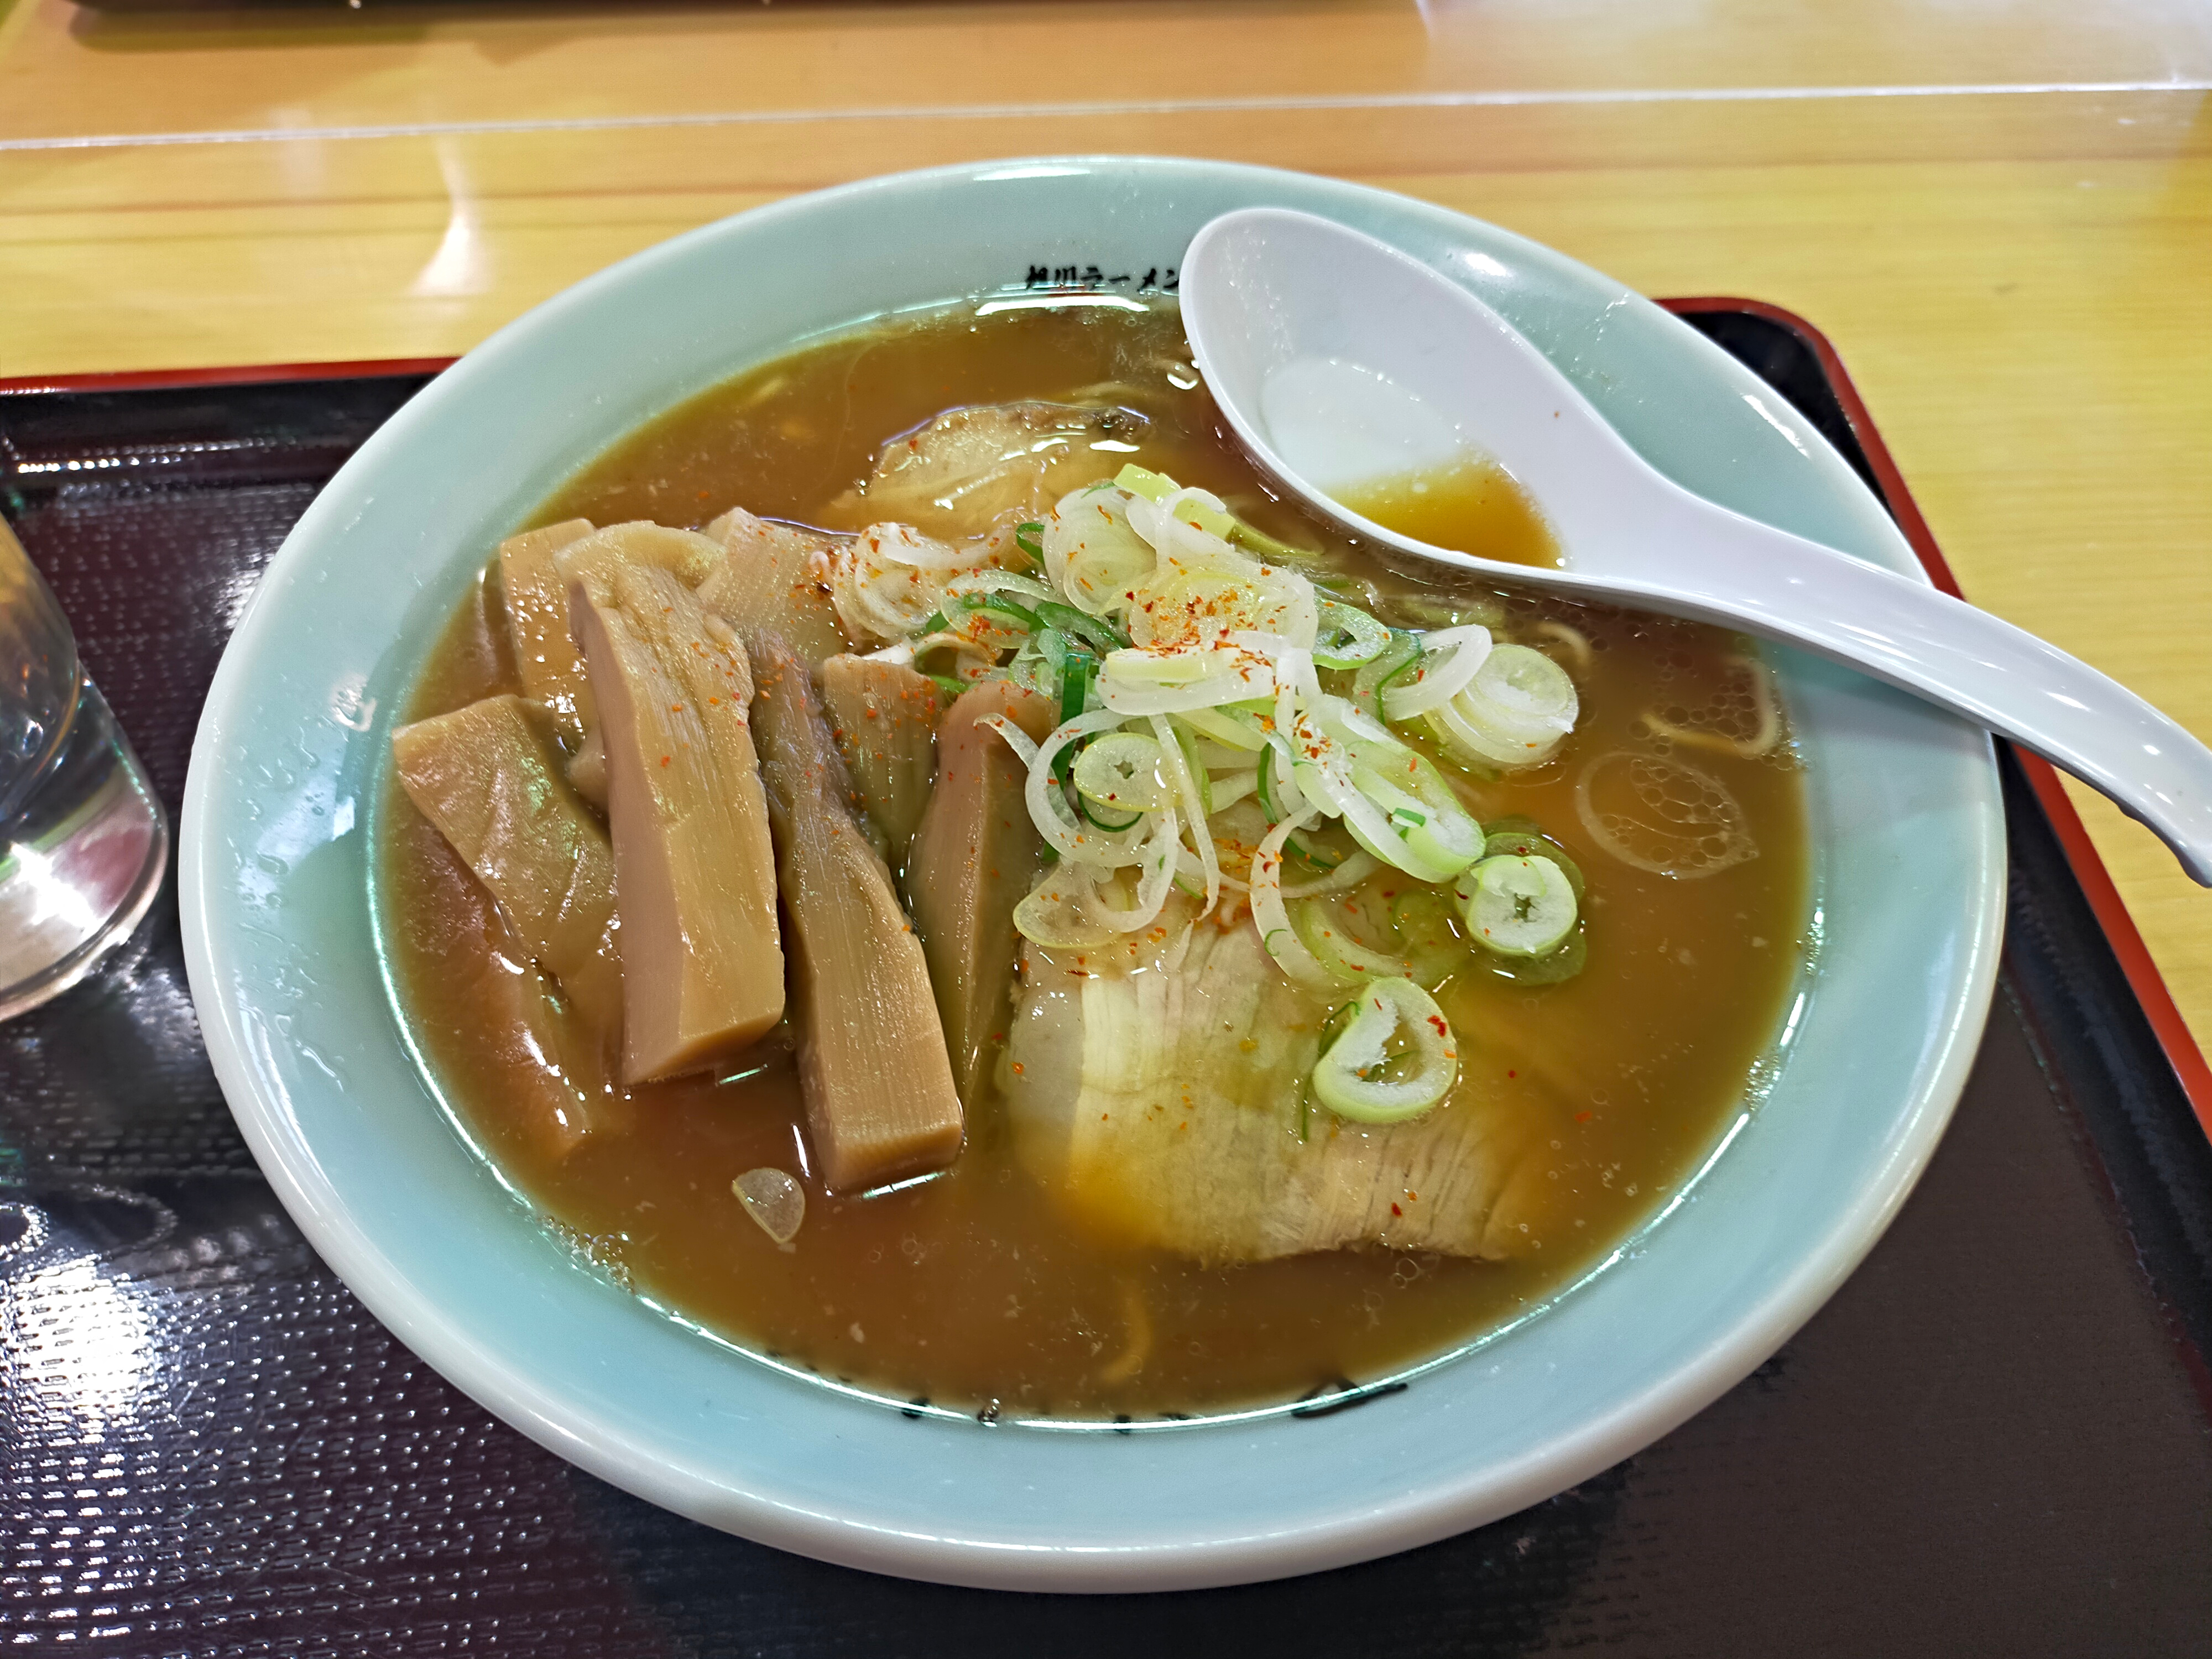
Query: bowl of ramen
{"points": [[806, 883]]}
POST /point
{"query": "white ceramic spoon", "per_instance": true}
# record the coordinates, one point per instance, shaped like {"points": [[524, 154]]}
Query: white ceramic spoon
{"points": [[1340, 361]]}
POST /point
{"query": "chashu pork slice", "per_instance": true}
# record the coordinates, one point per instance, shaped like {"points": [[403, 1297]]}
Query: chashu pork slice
{"points": [[880, 1101], [488, 777], [1163, 1106], [982, 462], [693, 868], [884, 717], [776, 577], [974, 858]]}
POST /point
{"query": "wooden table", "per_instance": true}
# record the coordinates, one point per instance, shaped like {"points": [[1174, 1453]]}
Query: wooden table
{"points": [[2001, 213]]}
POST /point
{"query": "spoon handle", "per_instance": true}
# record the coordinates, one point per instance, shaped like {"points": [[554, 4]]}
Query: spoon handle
{"points": [[1736, 569]]}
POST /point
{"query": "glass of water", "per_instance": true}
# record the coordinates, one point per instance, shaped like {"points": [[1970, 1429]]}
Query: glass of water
{"points": [[82, 839]]}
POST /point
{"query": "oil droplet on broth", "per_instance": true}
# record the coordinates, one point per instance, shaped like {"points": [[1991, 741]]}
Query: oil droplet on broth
{"points": [[1472, 505]]}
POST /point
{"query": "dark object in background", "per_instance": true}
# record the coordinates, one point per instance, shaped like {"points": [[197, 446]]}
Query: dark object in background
{"points": [[385, 7], [1993, 1440]]}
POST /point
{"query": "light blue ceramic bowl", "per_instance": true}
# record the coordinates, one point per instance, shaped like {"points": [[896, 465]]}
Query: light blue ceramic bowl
{"points": [[274, 875]]}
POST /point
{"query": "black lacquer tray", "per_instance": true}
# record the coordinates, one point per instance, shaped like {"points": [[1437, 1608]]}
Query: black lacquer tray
{"points": [[1996, 1438]]}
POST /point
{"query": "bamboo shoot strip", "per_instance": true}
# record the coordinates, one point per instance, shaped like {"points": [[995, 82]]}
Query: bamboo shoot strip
{"points": [[884, 717], [880, 1100], [702, 961], [546, 657], [488, 779], [974, 858]]}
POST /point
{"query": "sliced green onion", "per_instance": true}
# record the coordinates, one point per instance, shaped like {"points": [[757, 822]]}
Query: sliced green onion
{"points": [[1352, 1076], [998, 582], [1156, 863], [1402, 651], [1158, 687], [1450, 659], [1225, 789], [1423, 918], [1029, 670], [1354, 767], [1282, 769], [1350, 873], [1122, 772], [1436, 839], [1523, 689], [1023, 745], [1428, 786], [1157, 487], [1266, 789], [1030, 538], [1057, 821], [1091, 554], [1366, 737], [1078, 671], [969, 660], [1192, 788], [1269, 914], [1215, 757], [1431, 610], [1074, 695], [1316, 853], [1322, 930], [1340, 1019], [1051, 647], [1520, 838], [1349, 636], [1154, 487], [1235, 728], [1055, 916], [1472, 746], [1361, 818], [1104, 816], [1101, 636], [1194, 768], [1261, 545], [998, 608], [1161, 668], [1513, 713], [1551, 968], [1517, 907]]}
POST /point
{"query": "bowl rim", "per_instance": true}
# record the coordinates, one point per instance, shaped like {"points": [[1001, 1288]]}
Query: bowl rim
{"points": [[551, 1415]]}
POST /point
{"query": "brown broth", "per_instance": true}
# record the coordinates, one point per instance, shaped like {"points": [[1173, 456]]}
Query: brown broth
{"points": [[971, 1289], [1471, 506]]}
